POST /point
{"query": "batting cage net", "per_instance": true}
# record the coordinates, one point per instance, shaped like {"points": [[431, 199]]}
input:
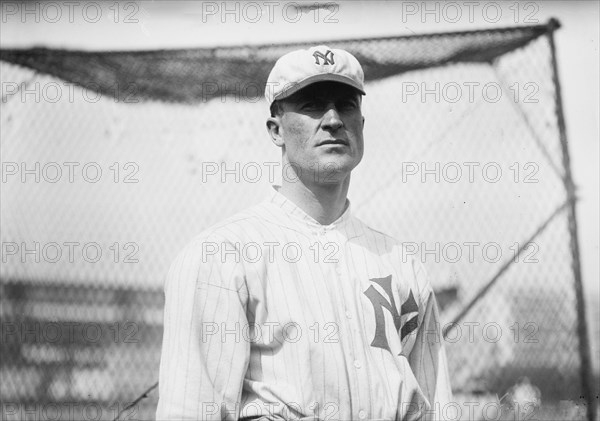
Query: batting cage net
{"points": [[113, 161]]}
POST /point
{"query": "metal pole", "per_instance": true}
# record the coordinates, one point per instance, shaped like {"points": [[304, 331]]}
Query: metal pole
{"points": [[584, 345]]}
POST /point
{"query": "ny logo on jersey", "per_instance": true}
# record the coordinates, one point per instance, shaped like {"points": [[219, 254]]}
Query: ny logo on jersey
{"points": [[380, 302], [327, 57]]}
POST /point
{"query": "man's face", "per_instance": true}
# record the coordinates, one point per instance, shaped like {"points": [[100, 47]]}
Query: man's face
{"points": [[321, 131]]}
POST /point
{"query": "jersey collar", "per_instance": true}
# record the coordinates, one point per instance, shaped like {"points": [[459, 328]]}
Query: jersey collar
{"points": [[294, 213]]}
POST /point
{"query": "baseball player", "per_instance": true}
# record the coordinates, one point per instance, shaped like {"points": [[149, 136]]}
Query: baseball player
{"points": [[294, 308]]}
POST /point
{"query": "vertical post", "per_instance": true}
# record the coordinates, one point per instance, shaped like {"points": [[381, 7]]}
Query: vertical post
{"points": [[582, 331]]}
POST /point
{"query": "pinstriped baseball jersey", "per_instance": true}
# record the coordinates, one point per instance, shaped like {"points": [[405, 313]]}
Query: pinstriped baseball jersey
{"points": [[272, 314]]}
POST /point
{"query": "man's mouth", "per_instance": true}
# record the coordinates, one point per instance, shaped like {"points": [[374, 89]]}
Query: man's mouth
{"points": [[333, 142]]}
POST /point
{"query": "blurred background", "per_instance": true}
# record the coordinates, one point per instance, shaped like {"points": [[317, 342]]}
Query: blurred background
{"points": [[129, 127]]}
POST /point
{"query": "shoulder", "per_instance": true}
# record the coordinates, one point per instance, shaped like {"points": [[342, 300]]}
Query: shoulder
{"points": [[214, 252], [386, 242], [229, 233], [236, 228]]}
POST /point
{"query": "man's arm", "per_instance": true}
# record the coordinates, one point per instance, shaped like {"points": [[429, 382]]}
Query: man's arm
{"points": [[428, 359], [204, 355]]}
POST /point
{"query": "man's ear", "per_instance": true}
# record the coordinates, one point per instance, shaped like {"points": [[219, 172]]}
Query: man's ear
{"points": [[274, 129]]}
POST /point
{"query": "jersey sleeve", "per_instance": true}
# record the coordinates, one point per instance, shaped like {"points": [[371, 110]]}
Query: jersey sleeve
{"points": [[428, 357], [204, 357]]}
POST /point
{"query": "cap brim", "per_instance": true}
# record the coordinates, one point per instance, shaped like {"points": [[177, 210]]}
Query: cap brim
{"points": [[324, 77]]}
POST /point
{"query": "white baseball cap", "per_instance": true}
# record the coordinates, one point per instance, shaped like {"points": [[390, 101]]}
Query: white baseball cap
{"points": [[298, 69]]}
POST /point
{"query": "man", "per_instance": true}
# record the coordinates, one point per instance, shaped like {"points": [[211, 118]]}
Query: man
{"points": [[295, 308]]}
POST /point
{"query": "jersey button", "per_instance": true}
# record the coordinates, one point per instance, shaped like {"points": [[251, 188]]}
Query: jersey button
{"points": [[362, 414], [348, 315], [357, 364]]}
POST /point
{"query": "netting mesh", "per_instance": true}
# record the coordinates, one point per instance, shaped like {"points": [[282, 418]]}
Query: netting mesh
{"points": [[103, 185]]}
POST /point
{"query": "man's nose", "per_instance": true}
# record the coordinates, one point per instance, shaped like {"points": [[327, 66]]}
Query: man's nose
{"points": [[332, 120]]}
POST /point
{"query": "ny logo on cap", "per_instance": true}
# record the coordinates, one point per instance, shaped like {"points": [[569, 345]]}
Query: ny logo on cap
{"points": [[327, 57]]}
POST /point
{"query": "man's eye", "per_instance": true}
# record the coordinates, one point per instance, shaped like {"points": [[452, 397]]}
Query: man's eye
{"points": [[312, 105], [348, 105]]}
